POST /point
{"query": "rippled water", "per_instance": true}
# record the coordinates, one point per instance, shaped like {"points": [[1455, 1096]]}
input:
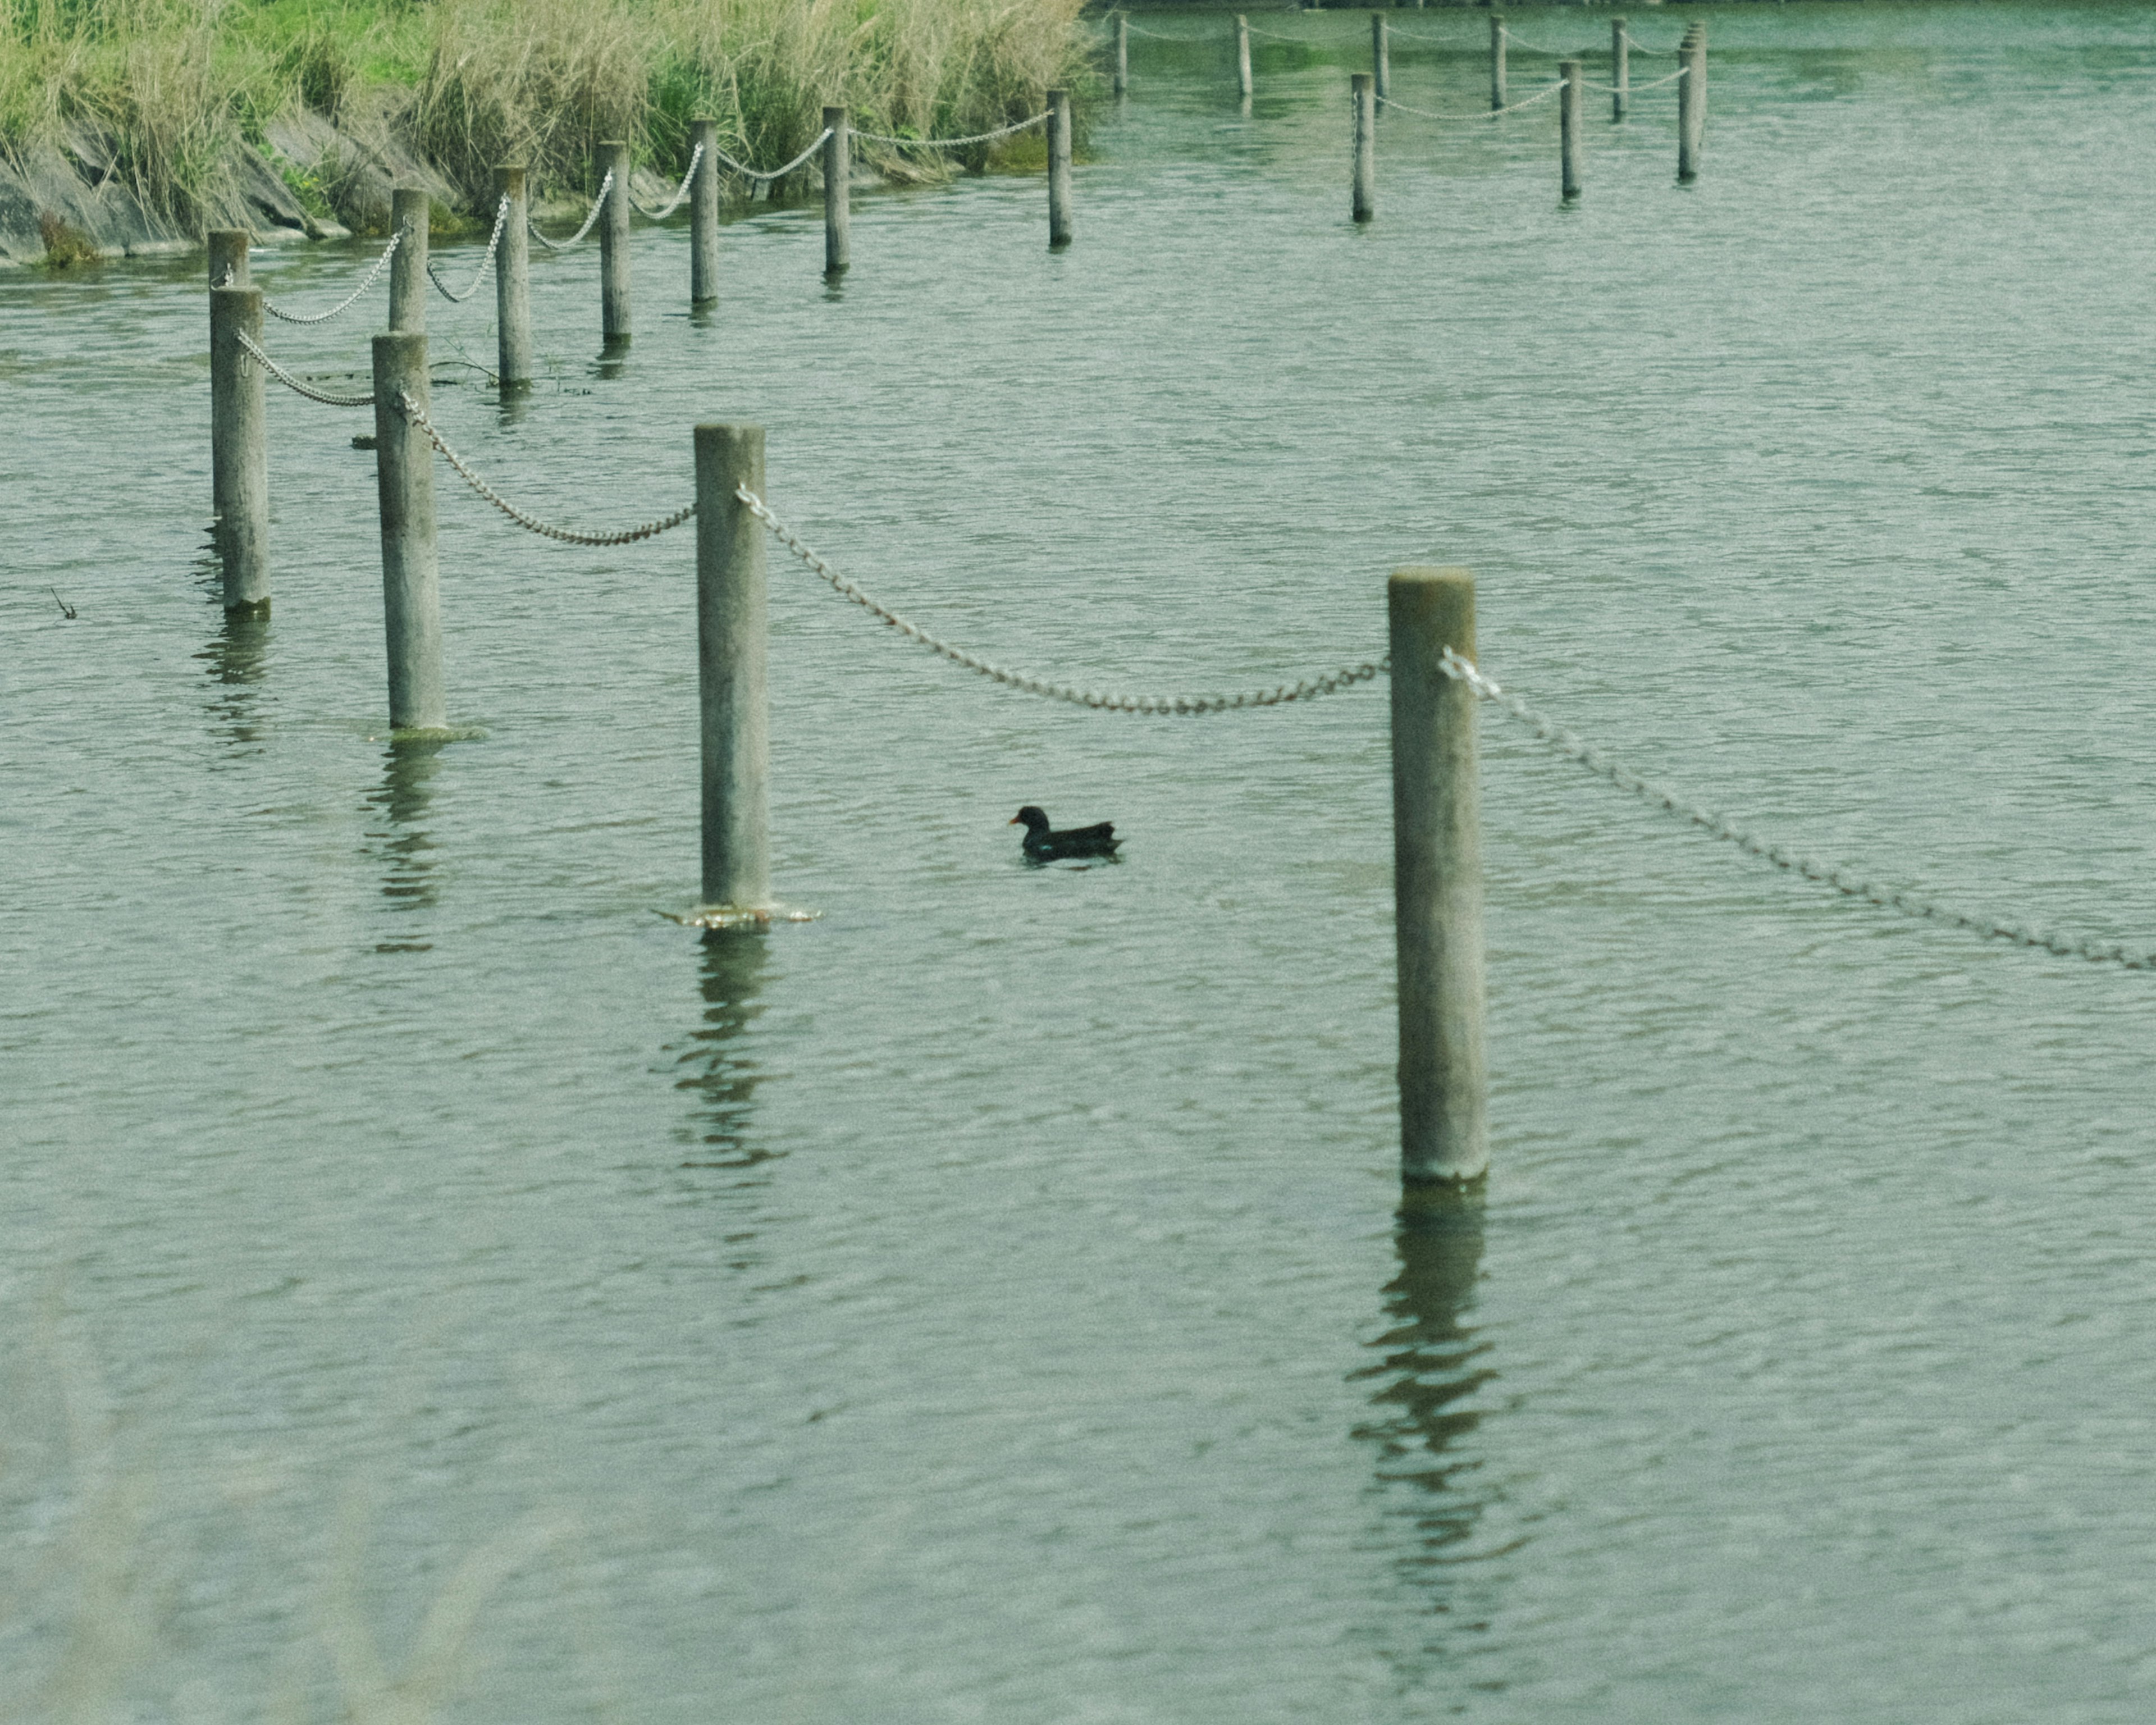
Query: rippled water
{"points": [[986, 1302]]}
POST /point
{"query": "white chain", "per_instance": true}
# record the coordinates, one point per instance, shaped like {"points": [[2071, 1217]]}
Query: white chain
{"points": [[1542, 94], [1642, 48], [344, 305], [1304, 690], [1843, 880], [485, 263], [681, 192], [978, 137], [599, 204], [292, 383], [1634, 89], [1548, 54], [776, 173], [568, 535]]}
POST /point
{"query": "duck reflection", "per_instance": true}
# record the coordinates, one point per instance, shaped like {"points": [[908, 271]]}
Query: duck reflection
{"points": [[395, 835], [721, 1072], [236, 659], [1430, 1363]]}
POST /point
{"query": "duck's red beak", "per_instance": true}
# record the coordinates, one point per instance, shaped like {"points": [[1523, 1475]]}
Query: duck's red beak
{"points": [[1014, 821]]}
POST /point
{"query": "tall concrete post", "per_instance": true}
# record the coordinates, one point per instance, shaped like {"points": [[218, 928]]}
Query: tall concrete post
{"points": [[1059, 168], [1620, 69], [1496, 59], [614, 244], [1381, 54], [838, 174], [410, 213], [228, 256], [1122, 72], [1571, 129], [704, 215], [238, 447], [1365, 102], [732, 626], [1437, 880], [1245, 86], [1691, 100], [512, 283], [411, 585]]}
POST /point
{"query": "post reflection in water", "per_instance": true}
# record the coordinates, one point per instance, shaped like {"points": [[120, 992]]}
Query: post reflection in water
{"points": [[1432, 1481], [236, 659], [394, 834], [722, 1072]]}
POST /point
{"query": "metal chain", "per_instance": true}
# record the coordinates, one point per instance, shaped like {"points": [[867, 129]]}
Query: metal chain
{"points": [[1642, 47], [1154, 34], [1273, 36], [1542, 94], [1548, 54], [1634, 89], [980, 138], [599, 204], [1304, 690], [292, 383], [1843, 880], [568, 535], [485, 263], [776, 173], [343, 304], [681, 192]]}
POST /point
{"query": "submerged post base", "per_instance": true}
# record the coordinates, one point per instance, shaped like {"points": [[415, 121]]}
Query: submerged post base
{"points": [[740, 916]]}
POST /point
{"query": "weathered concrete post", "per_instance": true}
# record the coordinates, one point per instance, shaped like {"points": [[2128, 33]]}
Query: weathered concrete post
{"points": [[838, 173], [1244, 84], [1366, 144], [410, 213], [1058, 167], [1122, 75], [1496, 59], [1620, 69], [238, 447], [512, 283], [1571, 129], [411, 586], [614, 244], [1691, 100], [228, 256], [1381, 54], [704, 215], [731, 630], [1437, 880]]}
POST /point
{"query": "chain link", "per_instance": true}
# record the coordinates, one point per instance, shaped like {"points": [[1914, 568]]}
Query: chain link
{"points": [[1634, 89], [1843, 880], [568, 535], [1542, 94], [1304, 690], [1640, 47], [747, 172], [485, 263], [681, 192], [292, 383], [978, 137], [344, 305], [599, 204]]}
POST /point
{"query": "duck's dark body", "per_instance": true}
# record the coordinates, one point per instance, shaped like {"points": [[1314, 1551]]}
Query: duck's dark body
{"points": [[1042, 846]]}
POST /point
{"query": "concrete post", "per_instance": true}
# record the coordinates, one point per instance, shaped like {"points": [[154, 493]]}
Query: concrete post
{"points": [[410, 214], [228, 252], [1571, 129], [1381, 54], [1691, 100], [411, 586], [1496, 59], [1244, 85], [732, 626], [1059, 168], [614, 244], [704, 216], [238, 447], [512, 284], [1437, 880], [1366, 144], [1620, 69], [838, 173], [1122, 73]]}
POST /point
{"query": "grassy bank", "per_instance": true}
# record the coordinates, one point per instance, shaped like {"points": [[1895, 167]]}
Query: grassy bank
{"points": [[170, 87]]}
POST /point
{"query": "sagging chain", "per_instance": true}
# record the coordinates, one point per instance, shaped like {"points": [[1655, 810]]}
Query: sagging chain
{"points": [[346, 303], [485, 263], [417, 415], [1096, 699], [747, 172], [979, 137], [1843, 880], [599, 204], [1542, 94], [1634, 89], [292, 383], [681, 192]]}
